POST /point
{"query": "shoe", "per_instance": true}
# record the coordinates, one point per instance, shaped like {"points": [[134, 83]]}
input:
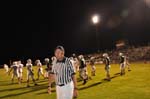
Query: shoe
{"points": [[121, 74], [84, 82], [37, 79], [28, 85], [35, 84]]}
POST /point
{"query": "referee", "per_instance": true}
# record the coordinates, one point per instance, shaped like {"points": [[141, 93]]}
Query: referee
{"points": [[64, 75]]}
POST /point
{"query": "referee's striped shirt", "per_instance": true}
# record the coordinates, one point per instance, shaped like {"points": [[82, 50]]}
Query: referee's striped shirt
{"points": [[63, 71]]}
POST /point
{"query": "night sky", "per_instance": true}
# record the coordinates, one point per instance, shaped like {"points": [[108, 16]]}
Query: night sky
{"points": [[34, 29]]}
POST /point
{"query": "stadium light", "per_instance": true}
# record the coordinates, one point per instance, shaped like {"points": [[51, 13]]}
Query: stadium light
{"points": [[95, 19]]}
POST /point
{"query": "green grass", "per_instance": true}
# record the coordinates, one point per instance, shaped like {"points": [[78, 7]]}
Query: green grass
{"points": [[133, 85]]}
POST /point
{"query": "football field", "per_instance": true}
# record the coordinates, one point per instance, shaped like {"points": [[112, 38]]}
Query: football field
{"points": [[134, 85]]}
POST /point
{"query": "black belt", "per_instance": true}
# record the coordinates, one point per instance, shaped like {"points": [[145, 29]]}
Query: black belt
{"points": [[61, 85]]}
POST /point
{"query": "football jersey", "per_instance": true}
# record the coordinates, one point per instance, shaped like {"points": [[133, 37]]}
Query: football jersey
{"points": [[82, 63], [20, 67], [49, 66], [40, 66], [29, 67], [15, 68], [122, 59], [92, 61], [107, 61]]}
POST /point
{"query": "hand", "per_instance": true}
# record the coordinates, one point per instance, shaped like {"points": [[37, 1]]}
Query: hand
{"points": [[49, 90], [75, 93]]}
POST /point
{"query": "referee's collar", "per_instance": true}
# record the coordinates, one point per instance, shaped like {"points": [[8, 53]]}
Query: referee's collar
{"points": [[62, 61]]}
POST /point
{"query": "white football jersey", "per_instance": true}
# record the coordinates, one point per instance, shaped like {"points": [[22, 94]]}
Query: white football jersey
{"points": [[15, 68], [20, 67], [29, 67]]}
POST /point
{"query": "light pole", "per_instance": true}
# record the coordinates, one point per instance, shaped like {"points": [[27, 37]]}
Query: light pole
{"points": [[96, 20]]}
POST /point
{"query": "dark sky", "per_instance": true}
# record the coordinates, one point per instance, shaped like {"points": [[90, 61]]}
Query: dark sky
{"points": [[34, 29]]}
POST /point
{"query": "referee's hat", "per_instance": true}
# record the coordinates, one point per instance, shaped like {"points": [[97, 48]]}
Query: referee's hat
{"points": [[61, 48]]}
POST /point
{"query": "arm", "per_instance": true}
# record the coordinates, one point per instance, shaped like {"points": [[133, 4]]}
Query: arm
{"points": [[50, 81], [74, 81], [75, 92]]}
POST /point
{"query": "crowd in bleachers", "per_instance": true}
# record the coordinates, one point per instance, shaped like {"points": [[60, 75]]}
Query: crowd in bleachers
{"points": [[133, 53]]}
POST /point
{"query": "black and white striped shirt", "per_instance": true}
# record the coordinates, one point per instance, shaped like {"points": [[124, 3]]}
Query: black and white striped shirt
{"points": [[63, 71]]}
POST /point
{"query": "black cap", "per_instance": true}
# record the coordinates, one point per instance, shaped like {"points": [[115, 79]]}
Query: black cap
{"points": [[61, 48]]}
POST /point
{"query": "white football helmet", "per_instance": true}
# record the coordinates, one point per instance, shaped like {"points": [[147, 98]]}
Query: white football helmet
{"points": [[15, 63], [120, 54], [105, 55], [80, 56], [29, 61], [46, 60]]}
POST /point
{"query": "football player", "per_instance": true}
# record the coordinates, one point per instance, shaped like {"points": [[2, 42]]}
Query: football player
{"points": [[122, 63], [47, 63], [83, 69], [76, 62], [106, 61], [15, 69], [40, 69], [127, 63], [93, 68], [30, 72], [20, 68], [6, 68]]}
